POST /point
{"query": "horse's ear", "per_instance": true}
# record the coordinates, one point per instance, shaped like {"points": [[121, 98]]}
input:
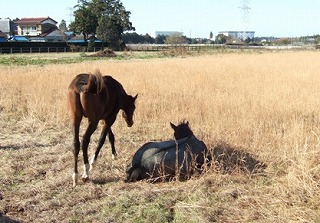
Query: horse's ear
{"points": [[173, 126], [135, 97], [187, 122]]}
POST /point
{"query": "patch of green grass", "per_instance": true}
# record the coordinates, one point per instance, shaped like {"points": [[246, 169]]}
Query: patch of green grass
{"points": [[44, 59], [23, 61], [133, 206]]}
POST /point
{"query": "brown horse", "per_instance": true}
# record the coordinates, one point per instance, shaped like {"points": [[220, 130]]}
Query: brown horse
{"points": [[96, 97]]}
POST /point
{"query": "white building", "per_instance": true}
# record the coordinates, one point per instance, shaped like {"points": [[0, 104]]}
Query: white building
{"points": [[6, 26], [35, 26], [154, 34], [243, 35]]}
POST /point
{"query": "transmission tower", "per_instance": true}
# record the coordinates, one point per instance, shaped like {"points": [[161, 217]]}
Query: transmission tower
{"points": [[245, 11], [70, 14]]}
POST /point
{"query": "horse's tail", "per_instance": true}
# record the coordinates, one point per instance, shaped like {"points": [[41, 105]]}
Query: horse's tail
{"points": [[90, 83]]}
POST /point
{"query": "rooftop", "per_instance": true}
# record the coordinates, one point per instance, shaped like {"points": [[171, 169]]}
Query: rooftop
{"points": [[33, 21]]}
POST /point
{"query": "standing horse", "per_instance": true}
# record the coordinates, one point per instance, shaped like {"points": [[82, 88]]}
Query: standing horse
{"points": [[96, 97], [171, 158]]}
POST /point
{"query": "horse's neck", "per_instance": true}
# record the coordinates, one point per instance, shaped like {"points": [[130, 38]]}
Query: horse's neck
{"points": [[123, 99], [183, 140]]}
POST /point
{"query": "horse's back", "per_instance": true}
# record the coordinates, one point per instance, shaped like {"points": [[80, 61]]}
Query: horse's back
{"points": [[89, 94], [87, 83], [149, 149], [113, 86], [154, 158]]}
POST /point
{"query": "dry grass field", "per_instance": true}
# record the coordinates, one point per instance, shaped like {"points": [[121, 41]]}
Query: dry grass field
{"points": [[263, 103]]}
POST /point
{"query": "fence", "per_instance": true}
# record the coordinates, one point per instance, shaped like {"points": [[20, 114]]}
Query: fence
{"points": [[11, 50], [46, 47], [208, 47], [164, 47], [136, 47]]}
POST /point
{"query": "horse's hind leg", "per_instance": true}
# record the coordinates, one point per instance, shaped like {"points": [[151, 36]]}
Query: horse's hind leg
{"points": [[76, 117], [101, 142], [76, 150], [85, 142]]}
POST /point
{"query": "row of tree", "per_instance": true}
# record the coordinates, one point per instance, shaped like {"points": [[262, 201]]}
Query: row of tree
{"points": [[109, 20], [134, 38]]}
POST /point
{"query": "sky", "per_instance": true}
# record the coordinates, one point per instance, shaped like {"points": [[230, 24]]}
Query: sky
{"points": [[196, 19]]}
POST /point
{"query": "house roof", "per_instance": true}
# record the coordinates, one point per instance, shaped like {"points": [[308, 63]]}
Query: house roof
{"points": [[53, 32], [33, 21], [79, 39], [49, 31], [18, 38]]}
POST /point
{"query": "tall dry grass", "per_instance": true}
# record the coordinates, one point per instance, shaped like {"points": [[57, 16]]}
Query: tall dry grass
{"points": [[266, 103]]}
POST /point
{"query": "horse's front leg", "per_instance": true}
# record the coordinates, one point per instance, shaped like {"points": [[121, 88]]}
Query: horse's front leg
{"points": [[101, 142], [110, 122], [85, 142], [111, 140]]}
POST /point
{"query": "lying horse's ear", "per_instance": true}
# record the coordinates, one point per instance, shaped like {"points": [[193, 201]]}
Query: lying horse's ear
{"points": [[135, 97], [173, 126]]}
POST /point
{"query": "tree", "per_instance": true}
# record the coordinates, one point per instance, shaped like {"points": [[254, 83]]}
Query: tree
{"points": [[148, 39], [211, 35], [114, 20], [160, 39], [221, 39], [85, 21], [63, 26], [135, 38], [107, 18], [176, 38]]}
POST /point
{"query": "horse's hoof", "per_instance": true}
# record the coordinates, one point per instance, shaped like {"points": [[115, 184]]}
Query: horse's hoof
{"points": [[85, 179], [114, 156]]}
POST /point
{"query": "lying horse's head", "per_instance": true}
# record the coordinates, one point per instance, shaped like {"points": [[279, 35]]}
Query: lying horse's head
{"points": [[128, 110], [182, 130]]}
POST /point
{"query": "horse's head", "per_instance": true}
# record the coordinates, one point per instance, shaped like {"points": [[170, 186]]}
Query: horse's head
{"points": [[128, 110], [182, 130]]}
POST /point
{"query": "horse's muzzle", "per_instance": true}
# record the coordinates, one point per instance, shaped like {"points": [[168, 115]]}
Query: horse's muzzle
{"points": [[130, 124]]}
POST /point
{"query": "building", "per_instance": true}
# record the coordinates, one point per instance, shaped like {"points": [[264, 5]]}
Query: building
{"points": [[154, 34], [41, 29], [34, 26], [242, 35], [7, 27], [52, 35], [3, 37]]}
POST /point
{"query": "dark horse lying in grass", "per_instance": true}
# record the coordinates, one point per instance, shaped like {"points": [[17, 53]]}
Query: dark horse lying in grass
{"points": [[98, 98], [166, 159]]}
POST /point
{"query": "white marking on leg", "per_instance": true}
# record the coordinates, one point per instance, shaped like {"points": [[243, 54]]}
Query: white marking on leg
{"points": [[114, 156], [85, 175], [92, 163], [75, 179]]}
